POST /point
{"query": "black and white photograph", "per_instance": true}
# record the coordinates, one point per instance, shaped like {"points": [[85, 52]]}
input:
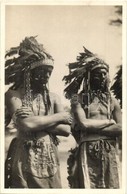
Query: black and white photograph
{"points": [[63, 97]]}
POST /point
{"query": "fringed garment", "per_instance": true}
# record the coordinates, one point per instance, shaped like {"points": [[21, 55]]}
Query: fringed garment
{"points": [[32, 160], [94, 164]]}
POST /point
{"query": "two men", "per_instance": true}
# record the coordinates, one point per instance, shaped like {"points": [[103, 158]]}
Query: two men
{"points": [[39, 118]]}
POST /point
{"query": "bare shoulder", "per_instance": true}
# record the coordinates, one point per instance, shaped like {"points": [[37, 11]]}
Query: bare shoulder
{"points": [[56, 101], [13, 100], [115, 103], [12, 93], [55, 98], [116, 112]]}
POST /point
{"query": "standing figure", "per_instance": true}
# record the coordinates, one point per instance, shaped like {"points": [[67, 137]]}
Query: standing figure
{"points": [[38, 116], [97, 125]]}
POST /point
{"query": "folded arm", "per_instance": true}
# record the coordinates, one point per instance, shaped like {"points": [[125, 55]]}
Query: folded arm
{"points": [[115, 129], [91, 125], [26, 120], [101, 126], [34, 123]]}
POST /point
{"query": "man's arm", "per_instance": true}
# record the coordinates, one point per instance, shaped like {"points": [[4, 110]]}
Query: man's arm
{"points": [[90, 125], [115, 129], [27, 121], [39, 123], [60, 129]]}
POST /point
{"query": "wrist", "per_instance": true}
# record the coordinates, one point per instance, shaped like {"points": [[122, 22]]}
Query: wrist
{"points": [[75, 106], [57, 118]]}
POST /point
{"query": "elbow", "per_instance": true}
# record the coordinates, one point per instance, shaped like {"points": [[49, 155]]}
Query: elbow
{"points": [[119, 128], [66, 130], [84, 125], [66, 134]]}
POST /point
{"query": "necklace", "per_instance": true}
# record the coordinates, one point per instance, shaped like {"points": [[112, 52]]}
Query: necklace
{"points": [[38, 99]]}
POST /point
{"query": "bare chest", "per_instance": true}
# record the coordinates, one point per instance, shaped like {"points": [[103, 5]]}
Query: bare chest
{"points": [[98, 109]]}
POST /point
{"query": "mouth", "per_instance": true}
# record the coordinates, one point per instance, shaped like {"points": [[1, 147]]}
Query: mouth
{"points": [[41, 79]]}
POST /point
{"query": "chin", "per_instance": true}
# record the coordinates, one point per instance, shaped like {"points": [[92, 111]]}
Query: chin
{"points": [[44, 82], [102, 85], [40, 82]]}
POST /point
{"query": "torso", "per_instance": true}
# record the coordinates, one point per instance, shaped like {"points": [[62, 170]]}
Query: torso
{"points": [[96, 110]]}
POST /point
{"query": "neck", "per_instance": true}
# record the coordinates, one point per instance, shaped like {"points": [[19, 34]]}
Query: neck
{"points": [[97, 88]]}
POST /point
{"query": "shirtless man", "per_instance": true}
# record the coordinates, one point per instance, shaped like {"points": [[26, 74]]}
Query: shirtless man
{"points": [[97, 127], [38, 116]]}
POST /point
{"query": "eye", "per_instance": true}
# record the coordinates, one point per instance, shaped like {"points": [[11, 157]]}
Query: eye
{"points": [[96, 75]]}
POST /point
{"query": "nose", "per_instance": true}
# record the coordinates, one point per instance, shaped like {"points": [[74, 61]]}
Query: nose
{"points": [[103, 75], [47, 75]]}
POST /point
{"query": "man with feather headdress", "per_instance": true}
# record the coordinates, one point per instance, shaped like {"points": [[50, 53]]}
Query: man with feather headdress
{"points": [[96, 126], [38, 115]]}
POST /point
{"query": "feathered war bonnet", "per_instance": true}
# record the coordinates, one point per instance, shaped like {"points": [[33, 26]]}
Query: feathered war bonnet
{"points": [[21, 60], [80, 73]]}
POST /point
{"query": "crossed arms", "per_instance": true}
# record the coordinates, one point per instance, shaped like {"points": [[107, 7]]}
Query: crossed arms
{"points": [[101, 126], [57, 123]]}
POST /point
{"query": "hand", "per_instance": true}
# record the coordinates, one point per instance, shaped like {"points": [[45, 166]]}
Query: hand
{"points": [[24, 112], [66, 118], [74, 100], [112, 122]]}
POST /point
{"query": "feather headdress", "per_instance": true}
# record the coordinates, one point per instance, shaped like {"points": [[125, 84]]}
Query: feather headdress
{"points": [[79, 72], [28, 55]]}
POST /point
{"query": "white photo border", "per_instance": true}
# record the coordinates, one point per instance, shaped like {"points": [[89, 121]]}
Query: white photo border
{"points": [[123, 190]]}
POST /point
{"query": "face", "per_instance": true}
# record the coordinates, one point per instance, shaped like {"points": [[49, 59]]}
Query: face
{"points": [[41, 75], [99, 78]]}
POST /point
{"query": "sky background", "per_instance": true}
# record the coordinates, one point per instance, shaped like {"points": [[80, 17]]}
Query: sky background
{"points": [[64, 30]]}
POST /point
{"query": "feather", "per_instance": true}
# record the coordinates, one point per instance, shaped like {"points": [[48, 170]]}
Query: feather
{"points": [[73, 65], [31, 46], [12, 51], [79, 72], [87, 51], [29, 51], [10, 61], [85, 62], [73, 87]]}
